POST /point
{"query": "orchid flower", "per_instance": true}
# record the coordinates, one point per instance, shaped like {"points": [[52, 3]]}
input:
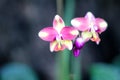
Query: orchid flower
{"points": [[90, 26], [59, 35]]}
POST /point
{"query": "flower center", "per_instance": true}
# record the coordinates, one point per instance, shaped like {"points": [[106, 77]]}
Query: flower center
{"points": [[59, 40], [59, 37]]}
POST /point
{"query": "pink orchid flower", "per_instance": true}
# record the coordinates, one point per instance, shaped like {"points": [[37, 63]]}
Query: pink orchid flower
{"points": [[89, 25], [59, 35]]}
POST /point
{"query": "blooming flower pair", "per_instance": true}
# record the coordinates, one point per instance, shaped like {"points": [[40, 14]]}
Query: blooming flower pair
{"points": [[84, 29]]}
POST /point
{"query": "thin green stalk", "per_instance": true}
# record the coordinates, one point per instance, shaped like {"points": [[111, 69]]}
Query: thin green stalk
{"points": [[76, 68], [68, 15], [69, 11], [63, 65], [62, 56]]}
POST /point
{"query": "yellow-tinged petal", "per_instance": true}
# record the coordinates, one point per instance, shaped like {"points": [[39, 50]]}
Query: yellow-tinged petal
{"points": [[53, 45], [67, 44], [58, 23], [60, 45], [95, 38], [56, 46], [86, 35]]}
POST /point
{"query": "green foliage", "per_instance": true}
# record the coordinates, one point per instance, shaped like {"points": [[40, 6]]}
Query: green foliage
{"points": [[104, 72], [17, 71]]}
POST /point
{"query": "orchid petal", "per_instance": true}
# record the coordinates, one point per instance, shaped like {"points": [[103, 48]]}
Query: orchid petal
{"points": [[76, 52], [67, 44], [86, 35], [95, 38], [80, 24], [61, 45], [52, 45], [58, 23], [102, 24], [47, 34], [90, 17], [56, 46], [69, 33]]}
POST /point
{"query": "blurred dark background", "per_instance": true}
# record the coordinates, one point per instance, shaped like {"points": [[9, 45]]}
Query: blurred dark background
{"points": [[21, 20]]}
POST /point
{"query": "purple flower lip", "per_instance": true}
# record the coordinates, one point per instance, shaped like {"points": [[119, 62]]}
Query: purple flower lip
{"points": [[76, 52], [79, 43]]}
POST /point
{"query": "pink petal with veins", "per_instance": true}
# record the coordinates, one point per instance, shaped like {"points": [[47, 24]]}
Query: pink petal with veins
{"points": [[102, 24], [58, 23], [69, 33], [80, 24], [90, 17], [48, 34]]}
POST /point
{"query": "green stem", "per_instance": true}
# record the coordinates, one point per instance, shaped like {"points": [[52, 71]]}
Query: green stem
{"points": [[63, 57], [63, 65], [76, 68], [69, 11], [68, 15]]}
